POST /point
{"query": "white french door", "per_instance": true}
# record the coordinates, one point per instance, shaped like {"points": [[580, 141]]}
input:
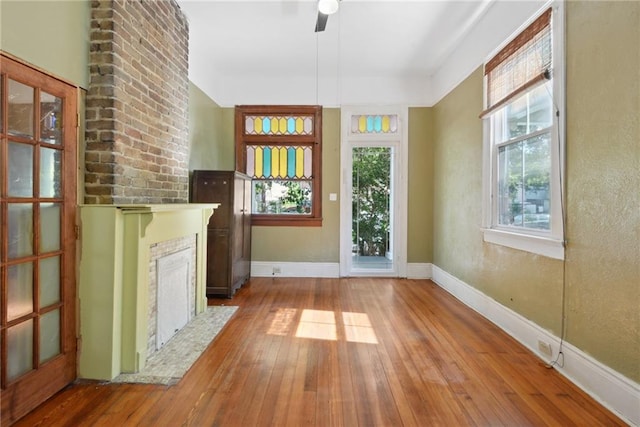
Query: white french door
{"points": [[373, 202]]}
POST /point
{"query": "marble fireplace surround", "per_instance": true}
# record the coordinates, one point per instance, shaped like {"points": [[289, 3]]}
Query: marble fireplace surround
{"points": [[115, 245]]}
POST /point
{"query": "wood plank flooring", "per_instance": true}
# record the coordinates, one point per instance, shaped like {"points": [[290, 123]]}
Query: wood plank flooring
{"points": [[343, 352]]}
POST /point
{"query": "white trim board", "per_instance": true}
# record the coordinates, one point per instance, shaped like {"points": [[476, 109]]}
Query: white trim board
{"points": [[322, 269], [294, 269], [618, 393]]}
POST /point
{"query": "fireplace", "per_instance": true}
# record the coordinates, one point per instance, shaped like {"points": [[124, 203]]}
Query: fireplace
{"points": [[120, 245]]}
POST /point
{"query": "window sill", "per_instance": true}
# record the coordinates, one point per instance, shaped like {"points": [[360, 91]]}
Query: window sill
{"points": [[285, 221], [544, 246]]}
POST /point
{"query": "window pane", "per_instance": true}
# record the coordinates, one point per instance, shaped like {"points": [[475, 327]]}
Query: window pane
{"points": [[49, 335], [20, 118], [523, 183], [19, 349], [531, 112], [20, 229], [50, 118], [49, 281], [50, 172], [20, 290], [281, 197], [20, 170], [49, 227]]}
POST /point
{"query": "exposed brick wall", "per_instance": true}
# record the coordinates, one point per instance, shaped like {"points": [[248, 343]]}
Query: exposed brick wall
{"points": [[137, 104]]}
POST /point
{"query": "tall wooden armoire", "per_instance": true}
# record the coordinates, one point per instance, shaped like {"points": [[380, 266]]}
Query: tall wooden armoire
{"points": [[229, 231]]}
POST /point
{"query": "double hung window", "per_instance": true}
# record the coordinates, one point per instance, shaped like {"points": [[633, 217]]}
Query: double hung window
{"points": [[523, 151], [280, 148]]}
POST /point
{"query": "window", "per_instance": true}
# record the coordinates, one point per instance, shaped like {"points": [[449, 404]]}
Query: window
{"points": [[280, 148], [523, 147]]}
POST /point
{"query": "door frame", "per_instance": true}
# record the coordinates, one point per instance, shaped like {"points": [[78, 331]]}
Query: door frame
{"points": [[399, 142]]}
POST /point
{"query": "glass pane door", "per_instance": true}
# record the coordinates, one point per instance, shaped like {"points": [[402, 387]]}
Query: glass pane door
{"points": [[37, 206]]}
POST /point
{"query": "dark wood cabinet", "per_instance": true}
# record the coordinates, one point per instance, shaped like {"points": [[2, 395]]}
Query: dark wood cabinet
{"points": [[229, 230]]}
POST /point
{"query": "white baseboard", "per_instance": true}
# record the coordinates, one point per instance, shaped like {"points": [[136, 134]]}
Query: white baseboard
{"points": [[294, 269], [419, 270], [615, 391]]}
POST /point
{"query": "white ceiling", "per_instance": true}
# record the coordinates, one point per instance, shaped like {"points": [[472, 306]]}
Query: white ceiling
{"points": [[372, 52]]}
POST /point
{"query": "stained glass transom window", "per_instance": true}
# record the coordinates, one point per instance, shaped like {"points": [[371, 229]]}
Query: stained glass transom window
{"points": [[278, 125], [362, 124], [278, 162]]}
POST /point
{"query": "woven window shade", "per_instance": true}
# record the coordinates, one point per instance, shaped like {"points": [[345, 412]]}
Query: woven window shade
{"points": [[519, 65]]}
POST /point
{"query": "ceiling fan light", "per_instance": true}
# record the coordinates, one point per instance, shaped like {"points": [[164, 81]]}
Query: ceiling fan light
{"points": [[328, 7]]}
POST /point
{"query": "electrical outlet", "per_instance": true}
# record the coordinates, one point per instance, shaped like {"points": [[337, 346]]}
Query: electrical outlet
{"points": [[545, 348], [277, 270]]}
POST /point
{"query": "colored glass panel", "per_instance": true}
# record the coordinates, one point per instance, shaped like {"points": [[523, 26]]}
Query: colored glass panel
{"points": [[250, 161], [278, 125], [377, 124], [308, 125], [266, 165], [275, 162], [258, 172], [299, 162], [387, 123], [307, 162], [291, 162], [283, 162]]}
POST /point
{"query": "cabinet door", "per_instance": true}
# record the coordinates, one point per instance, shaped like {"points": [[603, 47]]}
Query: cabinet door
{"points": [[218, 268]]}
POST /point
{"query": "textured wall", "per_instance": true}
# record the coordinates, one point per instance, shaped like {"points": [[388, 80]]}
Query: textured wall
{"points": [[420, 209], [137, 103], [603, 182], [603, 205], [211, 137], [53, 35]]}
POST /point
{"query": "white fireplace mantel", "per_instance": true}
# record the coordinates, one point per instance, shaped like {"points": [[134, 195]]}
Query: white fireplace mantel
{"points": [[115, 243]]}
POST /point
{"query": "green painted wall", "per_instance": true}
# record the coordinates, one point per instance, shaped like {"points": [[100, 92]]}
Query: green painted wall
{"points": [[58, 36], [211, 138], [603, 182], [420, 215], [603, 207]]}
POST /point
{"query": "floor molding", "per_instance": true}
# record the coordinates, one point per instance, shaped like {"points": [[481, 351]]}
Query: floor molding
{"points": [[294, 269], [615, 391], [419, 270]]}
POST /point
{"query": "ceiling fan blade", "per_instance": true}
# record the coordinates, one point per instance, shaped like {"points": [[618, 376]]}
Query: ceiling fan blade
{"points": [[321, 23]]}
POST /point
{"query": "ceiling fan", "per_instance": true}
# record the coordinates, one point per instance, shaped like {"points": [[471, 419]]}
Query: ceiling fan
{"points": [[325, 8]]}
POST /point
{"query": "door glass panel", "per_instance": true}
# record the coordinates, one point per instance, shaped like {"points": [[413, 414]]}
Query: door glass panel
{"points": [[20, 290], [49, 335], [50, 166], [49, 227], [371, 208], [49, 281], [19, 349], [20, 117], [50, 118], [20, 163], [20, 230]]}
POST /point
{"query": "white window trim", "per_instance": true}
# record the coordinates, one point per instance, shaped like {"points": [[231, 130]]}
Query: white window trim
{"points": [[550, 244]]}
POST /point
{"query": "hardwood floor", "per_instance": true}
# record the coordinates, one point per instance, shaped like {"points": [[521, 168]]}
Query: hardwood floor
{"points": [[343, 352]]}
